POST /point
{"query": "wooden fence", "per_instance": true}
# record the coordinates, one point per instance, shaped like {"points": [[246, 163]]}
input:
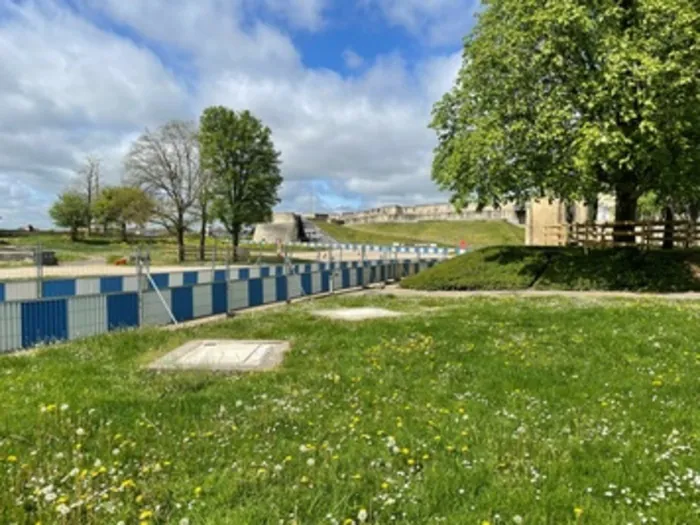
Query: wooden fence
{"points": [[648, 234]]}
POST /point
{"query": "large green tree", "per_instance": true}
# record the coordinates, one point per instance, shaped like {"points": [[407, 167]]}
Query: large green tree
{"points": [[244, 168], [72, 211], [572, 98], [124, 205]]}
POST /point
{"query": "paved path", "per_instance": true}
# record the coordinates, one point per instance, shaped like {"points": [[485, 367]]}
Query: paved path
{"points": [[403, 292]]}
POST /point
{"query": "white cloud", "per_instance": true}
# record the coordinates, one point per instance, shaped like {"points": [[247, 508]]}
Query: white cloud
{"points": [[305, 14], [68, 88], [438, 22], [352, 59]]}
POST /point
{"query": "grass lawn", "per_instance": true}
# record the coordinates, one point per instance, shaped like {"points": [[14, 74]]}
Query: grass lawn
{"points": [[482, 411], [515, 268], [443, 233]]}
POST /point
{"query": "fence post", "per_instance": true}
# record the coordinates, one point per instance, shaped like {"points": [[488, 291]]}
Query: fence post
{"points": [[39, 260], [139, 284]]}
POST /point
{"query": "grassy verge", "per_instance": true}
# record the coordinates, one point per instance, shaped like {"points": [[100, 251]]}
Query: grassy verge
{"points": [[443, 233], [505, 411], [507, 268]]}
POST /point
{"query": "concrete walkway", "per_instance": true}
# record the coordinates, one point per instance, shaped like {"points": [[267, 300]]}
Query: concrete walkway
{"points": [[397, 291]]}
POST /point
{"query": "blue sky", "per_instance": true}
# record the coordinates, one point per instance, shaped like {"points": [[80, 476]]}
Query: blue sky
{"points": [[346, 87]]}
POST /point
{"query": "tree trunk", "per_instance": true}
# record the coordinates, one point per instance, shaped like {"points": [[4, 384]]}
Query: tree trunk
{"points": [[625, 212], [180, 244], [668, 228], [203, 235], [235, 237], [124, 237], [74, 234]]}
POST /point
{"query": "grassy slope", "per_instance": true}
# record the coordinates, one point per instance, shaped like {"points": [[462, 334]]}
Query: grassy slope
{"points": [[563, 269], [488, 413], [446, 233]]}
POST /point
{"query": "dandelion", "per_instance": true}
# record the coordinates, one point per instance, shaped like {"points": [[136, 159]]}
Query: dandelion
{"points": [[198, 491], [145, 514], [304, 479], [311, 462], [517, 519], [362, 515], [62, 509], [128, 483], [12, 459], [80, 431], [184, 521], [578, 512], [64, 407]]}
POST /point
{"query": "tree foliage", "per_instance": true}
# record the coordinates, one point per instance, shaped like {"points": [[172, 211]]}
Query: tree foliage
{"points": [[238, 152], [71, 211], [569, 99], [165, 163], [124, 205]]}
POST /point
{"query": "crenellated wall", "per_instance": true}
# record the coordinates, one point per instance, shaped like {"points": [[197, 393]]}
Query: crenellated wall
{"points": [[429, 212]]}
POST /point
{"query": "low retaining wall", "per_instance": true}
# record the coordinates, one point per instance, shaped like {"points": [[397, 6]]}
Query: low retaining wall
{"points": [[116, 303]]}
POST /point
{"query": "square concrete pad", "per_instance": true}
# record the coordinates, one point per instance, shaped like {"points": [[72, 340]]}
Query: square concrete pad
{"points": [[357, 314], [226, 355]]}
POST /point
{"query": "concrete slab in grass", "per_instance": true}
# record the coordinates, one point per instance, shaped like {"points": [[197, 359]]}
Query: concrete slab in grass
{"points": [[224, 355], [357, 314]]}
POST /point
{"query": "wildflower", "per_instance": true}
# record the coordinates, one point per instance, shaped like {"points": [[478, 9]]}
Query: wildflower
{"points": [[184, 521], [197, 491], [288, 459], [63, 509], [578, 512], [657, 383], [64, 407], [385, 485], [517, 519], [80, 431], [145, 514], [128, 483], [411, 461], [12, 459], [362, 515], [310, 462], [304, 479]]}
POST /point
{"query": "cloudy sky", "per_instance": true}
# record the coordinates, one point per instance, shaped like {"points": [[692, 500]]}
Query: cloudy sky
{"points": [[346, 86]]}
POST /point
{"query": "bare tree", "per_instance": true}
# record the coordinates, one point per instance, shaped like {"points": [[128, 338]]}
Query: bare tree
{"points": [[165, 163], [89, 185]]}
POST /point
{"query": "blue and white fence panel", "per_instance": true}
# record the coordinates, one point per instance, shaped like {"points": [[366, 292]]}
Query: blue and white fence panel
{"points": [[97, 305]]}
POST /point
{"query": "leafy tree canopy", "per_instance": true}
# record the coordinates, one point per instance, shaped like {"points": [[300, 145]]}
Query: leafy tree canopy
{"points": [[243, 166], [570, 99]]}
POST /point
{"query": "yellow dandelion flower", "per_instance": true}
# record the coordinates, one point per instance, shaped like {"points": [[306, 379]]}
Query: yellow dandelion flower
{"points": [[62, 499], [385, 485], [288, 459], [426, 457], [197, 491], [411, 461], [657, 382], [405, 451], [304, 479], [12, 459], [578, 512], [139, 498], [128, 483], [145, 514]]}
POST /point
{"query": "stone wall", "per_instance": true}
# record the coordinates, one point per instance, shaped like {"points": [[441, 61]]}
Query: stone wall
{"points": [[428, 212]]}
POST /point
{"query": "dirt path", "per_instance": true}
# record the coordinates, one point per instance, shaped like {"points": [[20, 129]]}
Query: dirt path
{"points": [[403, 292]]}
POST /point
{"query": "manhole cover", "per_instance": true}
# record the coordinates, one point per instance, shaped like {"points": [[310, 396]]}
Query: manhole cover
{"points": [[227, 354], [357, 314]]}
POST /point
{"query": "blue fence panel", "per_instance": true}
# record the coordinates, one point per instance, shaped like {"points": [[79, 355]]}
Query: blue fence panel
{"points": [[219, 298], [346, 278], [360, 275], [265, 271], [244, 273], [306, 283], [2, 292], [219, 276], [279, 270], [58, 288], [122, 311], [44, 321], [182, 303], [326, 281], [281, 288], [189, 278], [255, 292], [162, 280], [111, 284]]}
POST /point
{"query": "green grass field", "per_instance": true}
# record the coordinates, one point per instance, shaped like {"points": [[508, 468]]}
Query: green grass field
{"points": [[443, 233], [481, 411], [517, 268], [163, 249]]}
